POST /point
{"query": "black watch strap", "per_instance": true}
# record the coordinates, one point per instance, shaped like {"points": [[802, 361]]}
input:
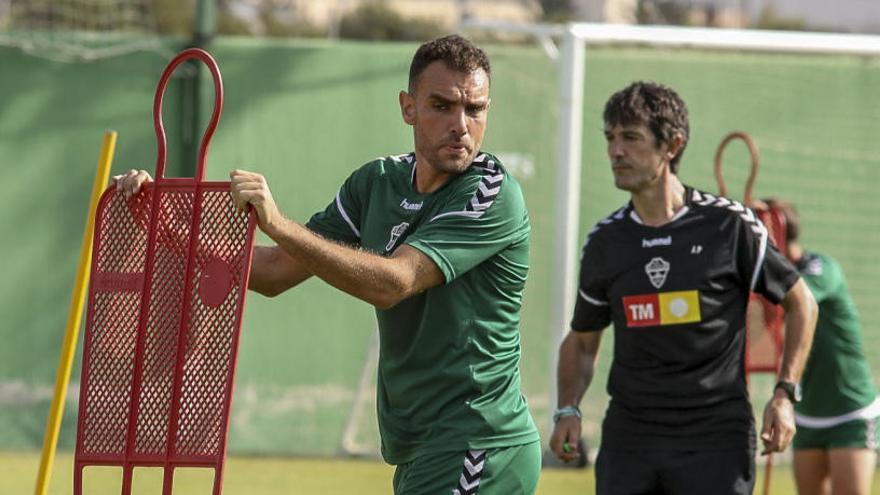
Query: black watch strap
{"points": [[791, 389]]}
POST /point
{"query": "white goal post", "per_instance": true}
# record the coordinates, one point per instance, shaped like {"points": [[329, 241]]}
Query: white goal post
{"points": [[572, 40]]}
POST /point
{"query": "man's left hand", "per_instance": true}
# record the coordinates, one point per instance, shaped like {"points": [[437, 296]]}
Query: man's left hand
{"points": [[779, 426]]}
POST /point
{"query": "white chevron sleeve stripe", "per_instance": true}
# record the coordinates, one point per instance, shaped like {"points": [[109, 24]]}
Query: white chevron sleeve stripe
{"points": [[345, 215], [762, 251], [463, 213], [492, 179], [477, 205], [489, 192], [594, 302], [707, 199]]}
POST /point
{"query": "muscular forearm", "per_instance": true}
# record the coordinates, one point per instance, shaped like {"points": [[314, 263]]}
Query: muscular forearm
{"points": [[364, 275], [800, 323], [273, 271], [577, 363]]}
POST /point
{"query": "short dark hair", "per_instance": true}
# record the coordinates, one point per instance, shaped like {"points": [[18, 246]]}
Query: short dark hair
{"points": [[654, 105], [792, 218], [456, 52]]}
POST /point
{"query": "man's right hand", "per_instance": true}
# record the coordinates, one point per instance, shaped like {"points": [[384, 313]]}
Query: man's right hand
{"points": [[564, 441], [130, 183], [252, 188]]}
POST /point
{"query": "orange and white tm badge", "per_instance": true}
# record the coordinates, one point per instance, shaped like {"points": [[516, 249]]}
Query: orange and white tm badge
{"points": [[662, 308]]}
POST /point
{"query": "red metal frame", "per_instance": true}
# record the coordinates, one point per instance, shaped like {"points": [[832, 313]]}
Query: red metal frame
{"points": [[169, 280], [772, 218]]}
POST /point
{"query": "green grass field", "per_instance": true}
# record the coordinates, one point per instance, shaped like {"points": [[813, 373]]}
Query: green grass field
{"points": [[274, 476]]}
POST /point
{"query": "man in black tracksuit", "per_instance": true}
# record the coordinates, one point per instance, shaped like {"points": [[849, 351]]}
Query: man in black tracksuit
{"points": [[672, 271]]}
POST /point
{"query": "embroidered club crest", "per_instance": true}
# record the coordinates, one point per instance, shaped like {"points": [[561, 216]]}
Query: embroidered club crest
{"points": [[657, 269], [396, 232]]}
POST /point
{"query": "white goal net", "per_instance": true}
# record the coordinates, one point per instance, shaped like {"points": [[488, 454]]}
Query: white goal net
{"points": [[74, 30]]}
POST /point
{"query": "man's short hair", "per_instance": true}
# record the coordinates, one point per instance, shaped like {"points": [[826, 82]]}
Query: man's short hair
{"points": [[455, 51], [654, 105], [792, 219]]}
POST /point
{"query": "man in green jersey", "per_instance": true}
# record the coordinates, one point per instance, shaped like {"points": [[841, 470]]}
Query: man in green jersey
{"points": [[437, 240], [836, 441]]}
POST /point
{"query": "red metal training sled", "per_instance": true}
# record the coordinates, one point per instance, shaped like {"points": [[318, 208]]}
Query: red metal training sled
{"points": [[766, 321], [168, 283]]}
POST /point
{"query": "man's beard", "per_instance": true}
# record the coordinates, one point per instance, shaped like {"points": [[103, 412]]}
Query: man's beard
{"points": [[449, 165]]}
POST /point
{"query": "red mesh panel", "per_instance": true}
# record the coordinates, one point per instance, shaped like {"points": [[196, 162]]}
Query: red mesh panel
{"points": [[122, 230], [765, 324], [108, 391], [120, 254], [168, 369], [765, 321], [163, 323], [211, 338]]}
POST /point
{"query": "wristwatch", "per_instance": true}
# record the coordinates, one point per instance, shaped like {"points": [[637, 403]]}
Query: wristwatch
{"points": [[791, 389]]}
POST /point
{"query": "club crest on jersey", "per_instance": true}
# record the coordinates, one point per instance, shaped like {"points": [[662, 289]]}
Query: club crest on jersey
{"points": [[664, 308], [657, 269], [396, 232]]}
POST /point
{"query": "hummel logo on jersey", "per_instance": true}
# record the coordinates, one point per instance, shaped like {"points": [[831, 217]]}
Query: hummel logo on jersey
{"points": [[396, 232], [657, 269], [814, 267], [406, 205], [657, 241], [664, 308], [696, 249]]}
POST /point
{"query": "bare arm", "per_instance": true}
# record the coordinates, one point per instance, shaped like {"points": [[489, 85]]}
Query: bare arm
{"points": [[578, 355], [378, 280], [801, 312], [273, 271]]}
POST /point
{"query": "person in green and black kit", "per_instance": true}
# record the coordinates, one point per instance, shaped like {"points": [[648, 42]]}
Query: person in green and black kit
{"points": [[836, 440], [438, 241]]}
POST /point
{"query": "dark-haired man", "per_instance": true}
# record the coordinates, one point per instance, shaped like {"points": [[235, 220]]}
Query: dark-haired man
{"points": [[437, 240], [672, 271]]}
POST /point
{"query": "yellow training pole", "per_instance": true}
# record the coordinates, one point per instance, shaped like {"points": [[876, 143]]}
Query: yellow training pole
{"points": [[74, 316]]}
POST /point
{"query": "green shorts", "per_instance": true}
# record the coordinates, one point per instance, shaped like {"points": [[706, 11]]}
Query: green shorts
{"points": [[503, 471], [856, 434]]}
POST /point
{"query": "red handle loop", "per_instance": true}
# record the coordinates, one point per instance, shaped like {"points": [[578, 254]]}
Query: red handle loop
{"points": [[189, 53], [753, 174]]}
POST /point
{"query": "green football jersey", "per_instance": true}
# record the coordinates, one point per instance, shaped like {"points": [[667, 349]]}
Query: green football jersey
{"points": [[448, 375], [837, 379]]}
